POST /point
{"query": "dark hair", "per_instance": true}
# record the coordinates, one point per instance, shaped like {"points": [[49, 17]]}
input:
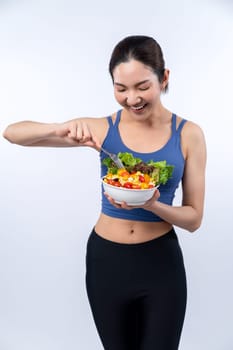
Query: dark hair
{"points": [[141, 48]]}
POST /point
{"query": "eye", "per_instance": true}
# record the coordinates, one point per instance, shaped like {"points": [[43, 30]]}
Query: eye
{"points": [[121, 90], [143, 88]]}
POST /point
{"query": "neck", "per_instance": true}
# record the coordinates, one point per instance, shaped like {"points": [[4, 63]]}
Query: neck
{"points": [[159, 114]]}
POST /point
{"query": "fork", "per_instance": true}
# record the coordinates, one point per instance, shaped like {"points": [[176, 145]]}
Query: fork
{"points": [[114, 157]]}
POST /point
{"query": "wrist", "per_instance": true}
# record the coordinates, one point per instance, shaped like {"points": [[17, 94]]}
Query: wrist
{"points": [[53, 129], [154, 206], [153, 203]]}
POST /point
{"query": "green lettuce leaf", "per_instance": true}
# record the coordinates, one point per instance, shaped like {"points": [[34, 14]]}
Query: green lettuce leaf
{"points": [[165, 170], [160, 172], [128, 159]]}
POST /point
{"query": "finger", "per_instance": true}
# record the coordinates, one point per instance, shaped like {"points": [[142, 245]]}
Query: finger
{"points": [[96, 141], [124, 205], [111, 200], [157, 194], [154, 198], [86, 134], [79, 131], [90, 138], [72, 130]]}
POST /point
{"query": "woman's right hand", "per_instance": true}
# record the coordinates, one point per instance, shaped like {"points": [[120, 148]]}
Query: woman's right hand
{"points": [[77, 132]]}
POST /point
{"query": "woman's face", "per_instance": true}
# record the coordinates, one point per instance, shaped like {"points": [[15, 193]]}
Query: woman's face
{"points": [[136, 87]]}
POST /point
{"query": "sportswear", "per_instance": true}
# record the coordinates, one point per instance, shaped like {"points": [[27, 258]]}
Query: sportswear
{"points": [[137, 292], [171, 152]]}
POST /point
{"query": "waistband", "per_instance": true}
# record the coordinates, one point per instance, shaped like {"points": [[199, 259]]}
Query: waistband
{"points": [[167, 236]]}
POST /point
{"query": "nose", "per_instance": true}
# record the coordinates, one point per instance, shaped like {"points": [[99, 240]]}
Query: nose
{"points": [[133, 99]]}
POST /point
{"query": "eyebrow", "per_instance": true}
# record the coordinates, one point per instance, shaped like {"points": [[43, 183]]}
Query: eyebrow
{"points": [[141, 82]]}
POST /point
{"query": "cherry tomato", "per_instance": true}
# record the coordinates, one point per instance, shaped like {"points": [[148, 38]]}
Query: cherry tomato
{"points": [[111, 182], [116, 183], [141, 178], [128, 185]]}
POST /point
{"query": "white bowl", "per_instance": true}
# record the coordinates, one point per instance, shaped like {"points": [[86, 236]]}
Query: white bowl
{"points": [[128, 195]]}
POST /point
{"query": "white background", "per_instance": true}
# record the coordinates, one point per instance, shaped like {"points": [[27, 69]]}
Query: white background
{"points": [[54, 58]]}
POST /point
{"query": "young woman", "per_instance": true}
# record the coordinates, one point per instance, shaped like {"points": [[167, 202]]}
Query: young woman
{"points": [[135, 274]]}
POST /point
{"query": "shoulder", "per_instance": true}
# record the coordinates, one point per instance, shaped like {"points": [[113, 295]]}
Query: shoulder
{"points": [[99, 125], [192, 138], [192, 131]]}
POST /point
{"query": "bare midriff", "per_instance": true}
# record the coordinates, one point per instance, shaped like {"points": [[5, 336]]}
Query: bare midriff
{"points": [[128, 231]]}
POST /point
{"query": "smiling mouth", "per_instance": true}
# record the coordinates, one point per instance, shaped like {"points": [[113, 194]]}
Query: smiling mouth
{"points": [[138, 108]]}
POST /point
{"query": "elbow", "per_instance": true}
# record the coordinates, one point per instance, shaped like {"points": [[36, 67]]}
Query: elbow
{"points": [[194, 225], [7, 135], [193, 228], [193, 220], [11, 135]]}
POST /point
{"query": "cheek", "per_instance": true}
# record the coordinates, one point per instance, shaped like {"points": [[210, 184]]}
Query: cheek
{"points": [[119, 97], [153, 94]]}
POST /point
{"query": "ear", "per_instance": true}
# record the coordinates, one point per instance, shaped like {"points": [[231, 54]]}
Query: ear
{"points": [[165, 78]]}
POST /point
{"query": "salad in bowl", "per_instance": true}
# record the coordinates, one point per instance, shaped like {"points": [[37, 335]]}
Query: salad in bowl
{"points": [[137, 181]]}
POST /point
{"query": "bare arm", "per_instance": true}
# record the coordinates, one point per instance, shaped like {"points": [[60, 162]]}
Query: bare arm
{"points": [[189, 215], [73, 133], [27, 133]]}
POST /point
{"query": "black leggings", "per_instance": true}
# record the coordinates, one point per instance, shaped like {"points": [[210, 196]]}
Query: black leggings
{"points": [[137, 292]]}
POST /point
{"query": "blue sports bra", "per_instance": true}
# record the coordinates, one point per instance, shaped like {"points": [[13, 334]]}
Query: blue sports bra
{"points": [[171, 152]]}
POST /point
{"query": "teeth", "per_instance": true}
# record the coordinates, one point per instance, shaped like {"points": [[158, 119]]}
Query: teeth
{"points": [[137, 108]]}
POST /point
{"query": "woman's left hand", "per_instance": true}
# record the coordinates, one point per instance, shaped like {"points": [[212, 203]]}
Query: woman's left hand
{"points": [[147, 205]]}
